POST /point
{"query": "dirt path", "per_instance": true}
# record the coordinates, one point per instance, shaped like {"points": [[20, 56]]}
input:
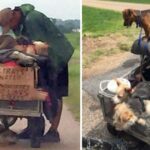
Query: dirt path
{"points": [[69, 131], [117, 6]]}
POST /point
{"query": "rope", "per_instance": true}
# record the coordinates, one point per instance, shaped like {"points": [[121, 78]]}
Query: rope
{"points": [[138, 23], [140, 38]]}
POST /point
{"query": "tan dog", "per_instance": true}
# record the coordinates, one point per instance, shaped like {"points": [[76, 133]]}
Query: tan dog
{"points": [[121, 88], [41, 48], [141, 18], [36, 48], [124, 117]]}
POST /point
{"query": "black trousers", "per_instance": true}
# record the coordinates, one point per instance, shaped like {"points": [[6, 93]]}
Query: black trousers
{"points": [[36, 126]]}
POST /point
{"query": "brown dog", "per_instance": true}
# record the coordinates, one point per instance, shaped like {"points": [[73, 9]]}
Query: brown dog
{"points": [[141, 18]]}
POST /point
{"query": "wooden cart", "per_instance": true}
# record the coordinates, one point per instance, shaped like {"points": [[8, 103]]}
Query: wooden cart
{"points": [[19, 96]]}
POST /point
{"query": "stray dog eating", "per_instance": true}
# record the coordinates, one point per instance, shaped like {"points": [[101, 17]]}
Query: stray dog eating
{"points": [[141, 18]]}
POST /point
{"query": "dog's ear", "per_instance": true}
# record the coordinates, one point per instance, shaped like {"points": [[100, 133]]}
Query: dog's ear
{"points": [[130, 12], [125, 13]]}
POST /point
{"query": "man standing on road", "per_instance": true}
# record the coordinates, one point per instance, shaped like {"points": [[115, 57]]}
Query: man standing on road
{"points": [[28, 22]]}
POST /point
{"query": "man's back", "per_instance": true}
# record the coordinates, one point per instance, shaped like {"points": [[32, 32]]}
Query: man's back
{"points": [[40, 28]]}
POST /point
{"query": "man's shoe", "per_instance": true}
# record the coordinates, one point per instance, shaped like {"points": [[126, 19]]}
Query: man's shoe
{"points": [[51, 136], [25, 134]]}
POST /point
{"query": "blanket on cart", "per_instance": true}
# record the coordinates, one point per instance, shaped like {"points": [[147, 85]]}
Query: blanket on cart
{"points": [[22, 59]]}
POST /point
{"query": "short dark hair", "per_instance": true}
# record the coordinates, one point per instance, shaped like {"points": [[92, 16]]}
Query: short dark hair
{"points": [[22, 15], [23, 40], [18, 9]]}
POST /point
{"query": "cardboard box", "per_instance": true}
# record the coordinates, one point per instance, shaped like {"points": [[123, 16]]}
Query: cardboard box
{"points": [[18, 84]]}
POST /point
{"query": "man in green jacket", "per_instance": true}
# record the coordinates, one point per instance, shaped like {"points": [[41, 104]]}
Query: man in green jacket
{"points": [[36, 26]]}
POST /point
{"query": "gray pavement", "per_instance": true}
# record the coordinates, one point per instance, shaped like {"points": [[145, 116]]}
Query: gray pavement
{"points": [[69, 133], [91, 85]]}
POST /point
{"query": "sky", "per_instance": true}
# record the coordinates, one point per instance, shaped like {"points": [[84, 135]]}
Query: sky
{"points": [[60, 9]]}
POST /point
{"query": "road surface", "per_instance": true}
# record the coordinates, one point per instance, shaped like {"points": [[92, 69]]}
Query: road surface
{"points": [[91, 85], [117, 6], [69, 134]]}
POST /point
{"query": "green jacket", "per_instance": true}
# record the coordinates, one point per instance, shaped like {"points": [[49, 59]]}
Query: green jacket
{"points": [[37, 26]]}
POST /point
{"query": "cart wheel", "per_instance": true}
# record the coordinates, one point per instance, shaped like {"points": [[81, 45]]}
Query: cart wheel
{"points": [[7, 121], [113, 131]]}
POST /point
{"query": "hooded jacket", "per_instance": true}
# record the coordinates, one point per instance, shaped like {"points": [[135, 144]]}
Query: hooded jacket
{"points": [[36, 26]]}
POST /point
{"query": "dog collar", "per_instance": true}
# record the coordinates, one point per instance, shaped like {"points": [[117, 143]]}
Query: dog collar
{"points": [[138, 18]]}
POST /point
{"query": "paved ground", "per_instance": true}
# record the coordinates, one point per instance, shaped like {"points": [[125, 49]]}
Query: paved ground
{"points": [[69, 132], [91, 85], [117, 6]]}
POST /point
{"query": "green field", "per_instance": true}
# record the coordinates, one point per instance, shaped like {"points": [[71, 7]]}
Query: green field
{"points": [[99, 22], [105, 23], [74, 76], [132, 1]]}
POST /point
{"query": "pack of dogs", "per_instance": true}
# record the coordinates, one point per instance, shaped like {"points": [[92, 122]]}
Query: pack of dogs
{"points": [[130, 103]]}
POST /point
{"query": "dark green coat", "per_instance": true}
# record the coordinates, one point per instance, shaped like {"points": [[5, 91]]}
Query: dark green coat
{"points": [[37, 26]]}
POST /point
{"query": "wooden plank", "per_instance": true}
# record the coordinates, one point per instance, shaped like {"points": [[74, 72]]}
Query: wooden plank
{"points": [[24, 113]]}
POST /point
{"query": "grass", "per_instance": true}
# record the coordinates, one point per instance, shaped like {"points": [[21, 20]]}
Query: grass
{"points": [[99, 22], [132, 1], [74, 38], [102, 22], [74, 76]]}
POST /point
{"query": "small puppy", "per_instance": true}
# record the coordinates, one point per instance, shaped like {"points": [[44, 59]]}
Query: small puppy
{"points": [[141, 18], [124, 117], [41, 48], [35, 48], [127, 113], [32, 47], [120, 87]]}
